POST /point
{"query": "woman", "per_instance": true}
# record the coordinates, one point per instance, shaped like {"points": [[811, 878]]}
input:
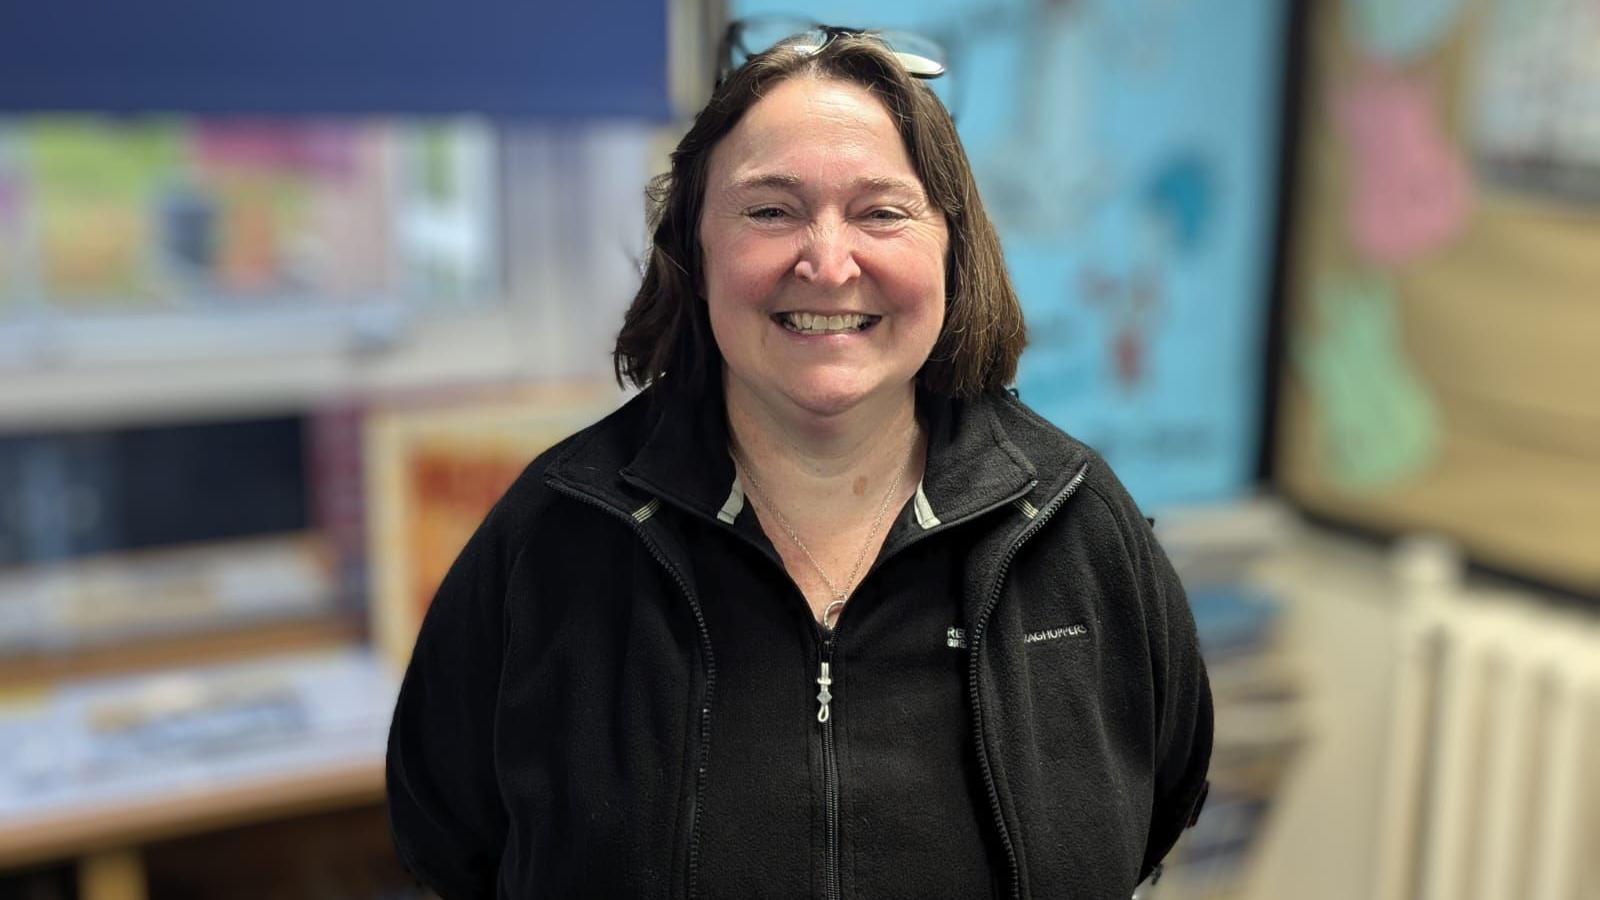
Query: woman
{"points": [[824, 611]]}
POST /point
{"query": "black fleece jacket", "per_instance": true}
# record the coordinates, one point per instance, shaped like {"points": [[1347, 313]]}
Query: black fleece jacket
{"points": [[554, 731]]}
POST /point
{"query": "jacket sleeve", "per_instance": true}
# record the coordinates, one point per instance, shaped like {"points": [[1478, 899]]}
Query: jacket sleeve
{"points": [[1183, 699], [445, 808]]}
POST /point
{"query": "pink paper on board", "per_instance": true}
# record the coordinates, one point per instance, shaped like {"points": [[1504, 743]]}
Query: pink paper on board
{"points": [[1410, 191], [325, 150]]}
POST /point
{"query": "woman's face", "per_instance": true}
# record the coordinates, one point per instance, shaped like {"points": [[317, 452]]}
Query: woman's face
{"points": [[823, 259]]}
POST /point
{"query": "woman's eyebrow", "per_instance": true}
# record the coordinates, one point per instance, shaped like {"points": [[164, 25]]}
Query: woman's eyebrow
{"points": [[887, 184], [786, 181], [768, 180]]}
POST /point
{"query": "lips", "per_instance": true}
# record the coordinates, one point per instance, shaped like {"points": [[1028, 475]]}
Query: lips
{"points": [[815, 323]]}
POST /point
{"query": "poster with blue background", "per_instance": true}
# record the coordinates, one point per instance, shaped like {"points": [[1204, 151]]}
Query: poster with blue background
{"points": [[1127, 151]]}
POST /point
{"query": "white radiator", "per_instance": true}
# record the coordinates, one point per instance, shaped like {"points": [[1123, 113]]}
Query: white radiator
{"points": [[1493, 783]]}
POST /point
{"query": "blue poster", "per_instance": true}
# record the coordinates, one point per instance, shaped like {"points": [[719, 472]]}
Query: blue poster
{"points": [[1127, 151]]}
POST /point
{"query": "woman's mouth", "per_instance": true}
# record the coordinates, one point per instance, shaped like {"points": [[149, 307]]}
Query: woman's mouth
{"points": [[811, 323]]}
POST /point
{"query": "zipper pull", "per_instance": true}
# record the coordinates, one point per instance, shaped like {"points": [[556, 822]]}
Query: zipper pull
{"points": [[824, 695]]}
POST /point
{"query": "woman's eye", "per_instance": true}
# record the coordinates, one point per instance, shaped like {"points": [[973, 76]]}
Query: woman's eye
{"points": [[767, 213], [886, 215]]}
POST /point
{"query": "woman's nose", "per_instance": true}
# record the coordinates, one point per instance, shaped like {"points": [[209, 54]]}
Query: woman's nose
{"points": [[827, 258]]}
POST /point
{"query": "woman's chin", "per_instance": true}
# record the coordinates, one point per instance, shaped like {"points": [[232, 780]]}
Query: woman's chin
{"points": [[827, 401], [824, 396]]}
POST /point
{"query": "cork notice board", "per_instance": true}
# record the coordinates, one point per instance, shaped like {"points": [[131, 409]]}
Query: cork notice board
{"points": [[1442, 360]]}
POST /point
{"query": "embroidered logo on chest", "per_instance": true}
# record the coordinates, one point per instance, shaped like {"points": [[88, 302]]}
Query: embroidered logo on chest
{"points": [[956, 638], [1055, 634]]}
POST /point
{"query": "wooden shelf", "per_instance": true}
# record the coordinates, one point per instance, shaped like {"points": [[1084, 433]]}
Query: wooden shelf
{"points": [[154, 380], [201, 648]]}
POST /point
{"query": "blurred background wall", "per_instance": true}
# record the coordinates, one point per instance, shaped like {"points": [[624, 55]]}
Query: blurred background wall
{"points": [[288, 296]]}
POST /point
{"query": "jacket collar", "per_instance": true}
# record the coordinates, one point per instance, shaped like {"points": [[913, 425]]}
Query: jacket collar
{"points": [[981, 453]]}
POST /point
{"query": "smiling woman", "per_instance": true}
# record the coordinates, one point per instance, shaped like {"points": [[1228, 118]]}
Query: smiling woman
{"points": [[813, 214], [847, 96], [692, 653]]}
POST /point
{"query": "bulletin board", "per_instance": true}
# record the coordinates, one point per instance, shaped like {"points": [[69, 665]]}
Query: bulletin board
{"points": [[1441, 356]]}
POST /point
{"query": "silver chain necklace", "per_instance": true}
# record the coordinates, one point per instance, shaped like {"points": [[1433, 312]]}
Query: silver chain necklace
{"points": [[839, 596]]}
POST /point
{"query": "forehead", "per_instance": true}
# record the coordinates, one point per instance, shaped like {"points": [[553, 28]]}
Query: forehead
{"points": [[815, 131]]}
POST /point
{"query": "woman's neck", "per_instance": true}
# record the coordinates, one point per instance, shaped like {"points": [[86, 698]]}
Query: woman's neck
{"points": [[817, 468]]}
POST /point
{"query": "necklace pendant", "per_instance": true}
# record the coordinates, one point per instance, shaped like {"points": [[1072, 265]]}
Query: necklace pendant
{"points": [[830, 612]]}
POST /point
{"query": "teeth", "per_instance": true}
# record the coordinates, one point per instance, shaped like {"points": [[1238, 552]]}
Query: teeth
{"points": [[809, 323]]}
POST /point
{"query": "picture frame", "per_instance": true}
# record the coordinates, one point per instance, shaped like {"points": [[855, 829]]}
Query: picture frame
{"points": [[433, 470]]}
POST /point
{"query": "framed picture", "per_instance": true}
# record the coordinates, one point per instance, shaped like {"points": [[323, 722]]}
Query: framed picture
{"points": [[433, 471]]}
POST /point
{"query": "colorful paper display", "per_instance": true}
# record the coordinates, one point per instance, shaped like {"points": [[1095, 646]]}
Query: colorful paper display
{"points": [[1378, 426], [91, 183], [1409, 190], [161, 213]]}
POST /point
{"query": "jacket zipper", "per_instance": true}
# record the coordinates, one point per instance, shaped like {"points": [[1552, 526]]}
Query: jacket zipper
{"points": [[637, 527], [832, 889], [978, 629]]}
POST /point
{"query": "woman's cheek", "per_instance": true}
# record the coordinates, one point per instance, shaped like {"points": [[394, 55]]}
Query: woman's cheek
{"points": [[756, 265], [917, 273]]}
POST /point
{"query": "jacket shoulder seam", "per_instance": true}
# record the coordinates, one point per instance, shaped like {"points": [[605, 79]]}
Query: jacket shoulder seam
{"points": [[1117, 515]]}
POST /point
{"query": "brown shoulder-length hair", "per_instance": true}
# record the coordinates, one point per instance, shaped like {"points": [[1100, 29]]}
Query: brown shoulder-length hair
{"points": [[667, 330]]}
